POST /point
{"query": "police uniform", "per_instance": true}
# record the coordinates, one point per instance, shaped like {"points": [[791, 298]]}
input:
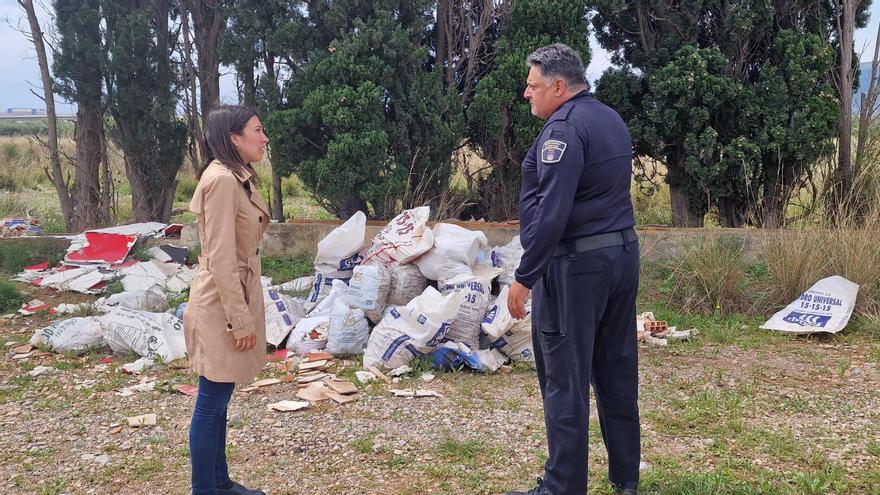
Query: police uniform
{"points": [[581, 261]]}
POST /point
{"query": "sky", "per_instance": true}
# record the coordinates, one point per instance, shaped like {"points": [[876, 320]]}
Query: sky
{"points": [[19, 72]]}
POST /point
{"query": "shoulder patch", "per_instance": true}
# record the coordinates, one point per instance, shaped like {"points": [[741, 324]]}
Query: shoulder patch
{"points": [[552, 150]]}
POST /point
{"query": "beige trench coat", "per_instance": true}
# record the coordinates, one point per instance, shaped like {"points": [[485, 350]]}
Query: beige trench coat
{"points": [[226, 297]]}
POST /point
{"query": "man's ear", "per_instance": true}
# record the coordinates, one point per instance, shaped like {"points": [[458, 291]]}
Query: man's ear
{"points": [[559, 87]]}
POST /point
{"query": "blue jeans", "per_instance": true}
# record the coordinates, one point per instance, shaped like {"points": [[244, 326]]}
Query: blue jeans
{"points": [[207, 437]]}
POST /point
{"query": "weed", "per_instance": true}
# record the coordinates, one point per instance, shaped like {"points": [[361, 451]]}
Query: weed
{"points": [[18, 253], [10, 297], [710, 275], [364, 445]]}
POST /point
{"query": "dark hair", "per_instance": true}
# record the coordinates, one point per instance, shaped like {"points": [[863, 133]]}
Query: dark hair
{"points": [[217, 144], [559, 61]]}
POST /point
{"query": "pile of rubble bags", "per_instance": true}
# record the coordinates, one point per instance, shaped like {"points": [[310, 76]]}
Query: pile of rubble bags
{"points": [[409, 292]]}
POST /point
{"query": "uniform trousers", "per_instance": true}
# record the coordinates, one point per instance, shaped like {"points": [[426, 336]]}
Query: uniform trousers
{"points": [[584, 332]]}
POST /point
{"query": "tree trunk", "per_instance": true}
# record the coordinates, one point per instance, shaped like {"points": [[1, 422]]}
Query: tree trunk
{"points": [[682, 216], [87, 197], [844, 175], [194, 147], [730, 214], [277, 201], [208, 22], [55, 175]]}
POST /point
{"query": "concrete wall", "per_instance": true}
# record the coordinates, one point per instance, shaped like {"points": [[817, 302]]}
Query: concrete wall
{"points": [[301, 238]]}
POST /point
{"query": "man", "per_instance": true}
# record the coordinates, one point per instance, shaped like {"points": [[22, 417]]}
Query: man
{"points": [[581, 264]]}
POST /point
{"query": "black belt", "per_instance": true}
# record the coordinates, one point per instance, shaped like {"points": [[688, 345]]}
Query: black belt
{"points": [[597, 241]]}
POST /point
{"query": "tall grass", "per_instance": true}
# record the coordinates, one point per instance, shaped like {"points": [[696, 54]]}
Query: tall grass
{"points": [[711, 275], [797, 259]]}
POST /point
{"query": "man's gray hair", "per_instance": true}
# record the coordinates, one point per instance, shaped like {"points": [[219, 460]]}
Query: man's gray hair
{"points": [[559, 61]]}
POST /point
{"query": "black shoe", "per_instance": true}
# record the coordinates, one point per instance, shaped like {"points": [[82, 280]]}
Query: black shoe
{"points": [[538, 490], [627, 491], [238, 489]]}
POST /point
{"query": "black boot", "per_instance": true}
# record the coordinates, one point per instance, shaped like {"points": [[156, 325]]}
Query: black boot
{"points": [[538, 490], [238, 489]]}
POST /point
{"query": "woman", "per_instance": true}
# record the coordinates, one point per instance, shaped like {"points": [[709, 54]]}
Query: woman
{"points": [[224, 322]]}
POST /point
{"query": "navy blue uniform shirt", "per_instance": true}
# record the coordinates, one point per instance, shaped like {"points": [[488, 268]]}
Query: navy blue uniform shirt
{"points": [[575, 182]]}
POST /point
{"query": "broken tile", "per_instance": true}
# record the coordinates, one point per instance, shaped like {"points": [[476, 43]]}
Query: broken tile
{"points": [[142, 420], [318, 356], [190, 390], [314, 392], [311, 378], [342, 387], [379, 374], [288, 405], [21, 349], [261, 383], [313, 365], [340, 398]]}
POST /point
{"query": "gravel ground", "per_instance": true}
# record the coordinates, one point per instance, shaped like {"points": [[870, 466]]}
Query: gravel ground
{"points": [[792, 412]]}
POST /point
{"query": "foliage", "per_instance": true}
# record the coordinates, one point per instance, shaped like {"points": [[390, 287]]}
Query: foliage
{"points": [[734, 98], [12, 128], [367, 126], [500, 123], [142, 102]]}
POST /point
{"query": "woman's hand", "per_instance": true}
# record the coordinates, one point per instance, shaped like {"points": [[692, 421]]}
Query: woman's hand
{"points": [[246, 343]]}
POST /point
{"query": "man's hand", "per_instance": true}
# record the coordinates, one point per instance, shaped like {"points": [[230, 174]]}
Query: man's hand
{"points": [[246, 343], [516, 300]]}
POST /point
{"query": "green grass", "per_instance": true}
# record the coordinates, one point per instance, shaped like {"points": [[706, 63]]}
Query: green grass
{"points": [[19, 253], [10, 297], [286, 269]]}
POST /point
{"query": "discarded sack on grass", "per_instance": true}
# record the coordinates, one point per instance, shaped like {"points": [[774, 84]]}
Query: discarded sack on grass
{"points": [[824, 307], [73, 334], [138, 300], [147, 334]]}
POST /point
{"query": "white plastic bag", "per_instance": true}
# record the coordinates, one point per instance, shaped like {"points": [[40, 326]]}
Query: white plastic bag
{"points": [[348, 331], [310, 334], [368, 290], [73, 334], [510, 336], [455, 249], [824, 307], [407, 282], [508, 258], [321, 287], [338, 294], [140, 300], [418, 327], [465, 327], [282, 314], [338, 252], [498, 319], [404, 239], [147, 334]]}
